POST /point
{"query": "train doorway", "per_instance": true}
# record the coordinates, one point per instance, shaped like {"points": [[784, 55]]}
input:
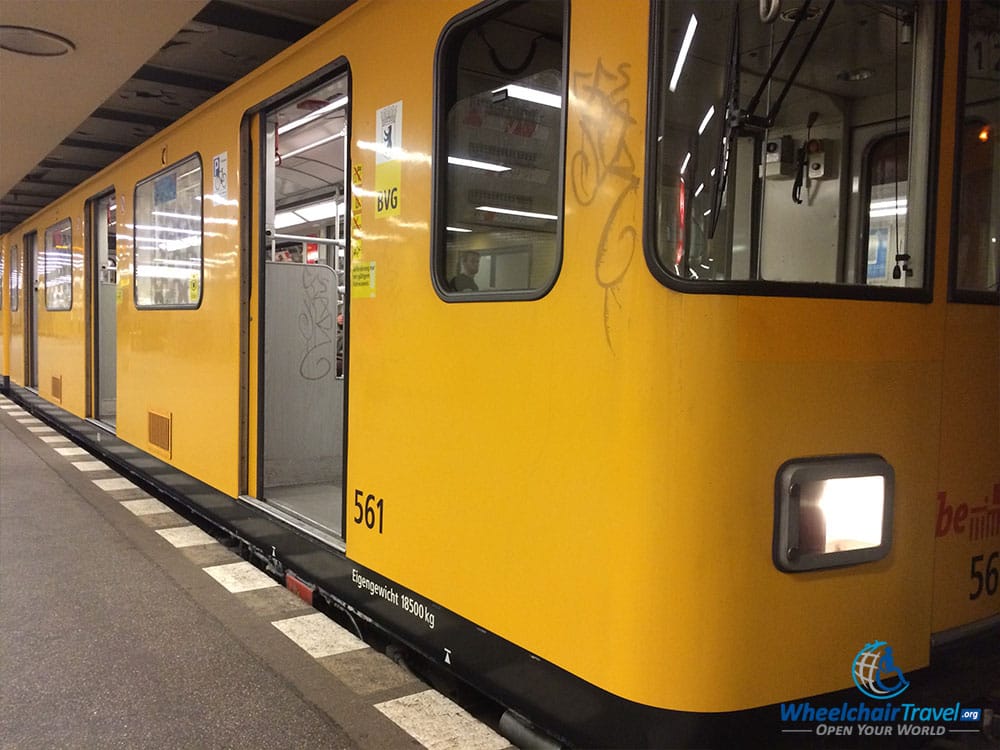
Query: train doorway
{"points": [[32, 284], [302, 333], [101, 214]]}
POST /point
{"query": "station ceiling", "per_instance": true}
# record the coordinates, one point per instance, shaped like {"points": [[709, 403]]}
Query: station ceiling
{"points": [[116, 72]]}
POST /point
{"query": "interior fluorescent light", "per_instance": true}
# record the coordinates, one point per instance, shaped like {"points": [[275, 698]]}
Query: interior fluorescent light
{"points": [[889, 207], [320, 211], [335, 104], [460, 162], [512, 212], [315, 144], [706, 120], [458, 229], [287, 219], [530, 95], [684, 165], [682, 55]]}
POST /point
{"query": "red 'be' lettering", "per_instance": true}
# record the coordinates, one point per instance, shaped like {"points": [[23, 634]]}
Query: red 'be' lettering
{"points": [[950, 519]]}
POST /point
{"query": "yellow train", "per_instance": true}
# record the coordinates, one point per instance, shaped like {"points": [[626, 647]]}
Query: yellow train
{"points": [[637, 362]]}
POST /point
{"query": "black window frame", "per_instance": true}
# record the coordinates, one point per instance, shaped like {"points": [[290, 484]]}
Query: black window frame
{"points": [[445, 84]]}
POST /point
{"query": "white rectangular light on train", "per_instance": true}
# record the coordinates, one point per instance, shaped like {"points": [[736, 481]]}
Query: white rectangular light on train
{"points": [[832, 511], [849, 512]]}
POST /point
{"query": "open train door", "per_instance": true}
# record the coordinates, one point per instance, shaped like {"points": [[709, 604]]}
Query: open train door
{"points": [[297, 460], [103, 308]]}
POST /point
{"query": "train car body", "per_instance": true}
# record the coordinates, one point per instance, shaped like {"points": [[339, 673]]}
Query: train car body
{"points": [[606, 452]]}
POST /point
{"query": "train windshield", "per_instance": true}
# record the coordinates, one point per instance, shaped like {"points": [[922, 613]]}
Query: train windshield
{"points": [[792, 143]]}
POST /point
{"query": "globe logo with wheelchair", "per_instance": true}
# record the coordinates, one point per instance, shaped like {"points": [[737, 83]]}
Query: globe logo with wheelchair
{"points": [[875, 674]]}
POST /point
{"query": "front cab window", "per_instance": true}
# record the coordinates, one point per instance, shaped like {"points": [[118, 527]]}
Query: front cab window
{"points": [[792, 151]]}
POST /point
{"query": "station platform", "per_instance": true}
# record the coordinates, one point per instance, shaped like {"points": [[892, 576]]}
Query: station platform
{"points": [[124, 625]]}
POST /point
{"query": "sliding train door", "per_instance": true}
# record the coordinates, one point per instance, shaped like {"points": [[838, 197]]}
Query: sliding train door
{"points": [[104, 311], [303, 316]]}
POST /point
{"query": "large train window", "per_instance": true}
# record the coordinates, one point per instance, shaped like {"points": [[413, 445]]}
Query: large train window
{"points": [[499, 154], [168, 236], [791, 149], [975, 273], [58, 265]]}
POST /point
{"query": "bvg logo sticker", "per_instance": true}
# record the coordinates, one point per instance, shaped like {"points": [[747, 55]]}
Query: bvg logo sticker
{"points": [[875, 674]]}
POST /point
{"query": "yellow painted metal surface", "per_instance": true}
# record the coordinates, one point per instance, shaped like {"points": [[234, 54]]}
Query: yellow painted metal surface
{"points": [[589, 475]]}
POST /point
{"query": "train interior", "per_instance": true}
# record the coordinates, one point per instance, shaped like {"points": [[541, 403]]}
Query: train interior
{"points": [[302, 393], [503, 129], [812, 126]]}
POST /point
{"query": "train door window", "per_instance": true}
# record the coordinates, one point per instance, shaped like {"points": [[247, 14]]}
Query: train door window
{"points": [[304, 162], [766, 131], [58, 265], [168, 237], [976, 237], [499, 153], [884, 223], [14, 279]]}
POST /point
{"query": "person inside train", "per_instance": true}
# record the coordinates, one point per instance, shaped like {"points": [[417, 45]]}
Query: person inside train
{"points": [[468, 267]]}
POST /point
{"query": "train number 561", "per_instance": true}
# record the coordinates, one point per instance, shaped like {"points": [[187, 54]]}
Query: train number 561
{"points": [[985, 579], [369, 512]]}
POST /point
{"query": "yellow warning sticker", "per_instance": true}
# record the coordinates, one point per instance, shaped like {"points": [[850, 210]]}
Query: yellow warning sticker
{"points": [[363, 280]]}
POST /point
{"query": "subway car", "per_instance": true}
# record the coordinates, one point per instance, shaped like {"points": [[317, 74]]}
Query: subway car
{"points": [[636, 363]]}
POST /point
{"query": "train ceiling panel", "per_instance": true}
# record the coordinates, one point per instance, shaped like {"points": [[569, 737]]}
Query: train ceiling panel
{"points": [[216, 43]]}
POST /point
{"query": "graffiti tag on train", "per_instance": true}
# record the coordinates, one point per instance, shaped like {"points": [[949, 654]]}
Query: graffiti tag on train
{"points": [[604, 159], [315, 323]]}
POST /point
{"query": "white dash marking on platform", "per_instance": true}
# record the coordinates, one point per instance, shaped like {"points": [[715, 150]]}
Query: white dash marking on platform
{"points": [[74, 451], [40, 428], [438, 724], [27, 420], [319, 636], [53, 438], [241, 576], [113, 484], [90, 465], [145, 506], [185, 536]]}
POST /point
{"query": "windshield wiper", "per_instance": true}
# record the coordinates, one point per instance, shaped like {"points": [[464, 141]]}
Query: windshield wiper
{"points": [[747, 119], [720, 169], [739, 121]]}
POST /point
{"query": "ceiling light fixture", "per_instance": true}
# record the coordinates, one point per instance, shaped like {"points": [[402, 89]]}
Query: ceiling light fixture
{"points": [[26, 40]]}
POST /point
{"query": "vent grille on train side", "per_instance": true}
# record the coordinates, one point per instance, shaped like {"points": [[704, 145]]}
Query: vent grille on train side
{"points": [[57, 388], [160, 429]]}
